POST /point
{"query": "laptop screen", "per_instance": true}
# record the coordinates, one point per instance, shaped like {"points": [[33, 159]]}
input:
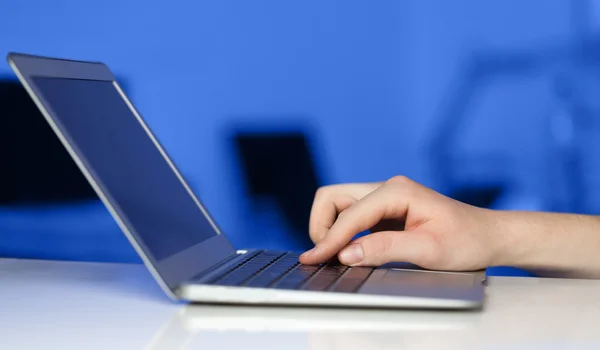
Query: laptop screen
{"points": [[126, 164]]}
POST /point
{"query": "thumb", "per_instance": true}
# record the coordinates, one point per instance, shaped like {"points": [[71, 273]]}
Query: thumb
{"points": [[380, 248]]}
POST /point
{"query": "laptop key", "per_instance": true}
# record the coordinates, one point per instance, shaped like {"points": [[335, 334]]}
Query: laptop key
{"points": [[296, 277], [352, 280], [273, 272], [325, 278], [248, 270]]}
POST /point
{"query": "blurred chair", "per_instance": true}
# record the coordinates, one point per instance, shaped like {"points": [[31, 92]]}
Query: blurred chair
{"points": [[279, 176], [574, 76], [36, 167], [47, 208]]}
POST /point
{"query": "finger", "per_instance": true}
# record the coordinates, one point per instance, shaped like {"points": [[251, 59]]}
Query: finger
{"points": [[325, 209], [386, 202], [381, 248], [330, 201]]}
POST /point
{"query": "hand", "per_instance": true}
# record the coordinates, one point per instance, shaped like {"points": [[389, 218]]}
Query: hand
{"points": [[408, 223]]}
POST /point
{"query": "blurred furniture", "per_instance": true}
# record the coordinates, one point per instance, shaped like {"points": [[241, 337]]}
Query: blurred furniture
{"points": [[280, 176], [47, 208], [62, 305], [572, 129], [36, 168]]}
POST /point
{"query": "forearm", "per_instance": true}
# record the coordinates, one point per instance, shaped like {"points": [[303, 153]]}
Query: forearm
{"points": [[540, 242]]}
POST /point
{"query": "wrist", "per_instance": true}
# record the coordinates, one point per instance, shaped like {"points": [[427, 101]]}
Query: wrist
{"points": [[514, 238], [547, 241], [504, 239]]}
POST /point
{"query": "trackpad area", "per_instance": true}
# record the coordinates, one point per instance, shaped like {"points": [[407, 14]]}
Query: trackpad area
{"points": [[418, 283], [428, 278]]}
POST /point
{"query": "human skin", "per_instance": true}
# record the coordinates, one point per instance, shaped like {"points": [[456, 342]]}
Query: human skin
{"points": [[412, 223]]}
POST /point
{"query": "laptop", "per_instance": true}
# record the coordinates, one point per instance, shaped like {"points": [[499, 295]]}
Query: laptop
{"points": [[172, 231]]}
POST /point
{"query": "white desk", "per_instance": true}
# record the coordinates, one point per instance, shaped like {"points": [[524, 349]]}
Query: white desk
{"points": [[62, 305]]}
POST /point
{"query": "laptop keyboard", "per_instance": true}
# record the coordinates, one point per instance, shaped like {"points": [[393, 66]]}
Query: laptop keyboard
{"points": [[282, 270]]}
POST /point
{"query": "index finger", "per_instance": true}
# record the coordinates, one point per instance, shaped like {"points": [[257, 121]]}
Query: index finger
{"points": [[330, 201], [327, 205], [383, 203]]}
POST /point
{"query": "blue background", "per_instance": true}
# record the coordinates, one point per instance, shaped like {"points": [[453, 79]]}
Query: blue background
{"points": [[509, 87]]}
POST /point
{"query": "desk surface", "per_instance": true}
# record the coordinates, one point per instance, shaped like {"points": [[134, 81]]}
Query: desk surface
{"points": [[109, 306]]}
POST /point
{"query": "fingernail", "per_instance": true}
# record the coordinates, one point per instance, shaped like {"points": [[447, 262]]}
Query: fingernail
{"points": [[351, 255]]}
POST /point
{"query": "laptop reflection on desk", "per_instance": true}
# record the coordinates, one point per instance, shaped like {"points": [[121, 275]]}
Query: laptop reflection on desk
{"points": [[213, 326]]}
